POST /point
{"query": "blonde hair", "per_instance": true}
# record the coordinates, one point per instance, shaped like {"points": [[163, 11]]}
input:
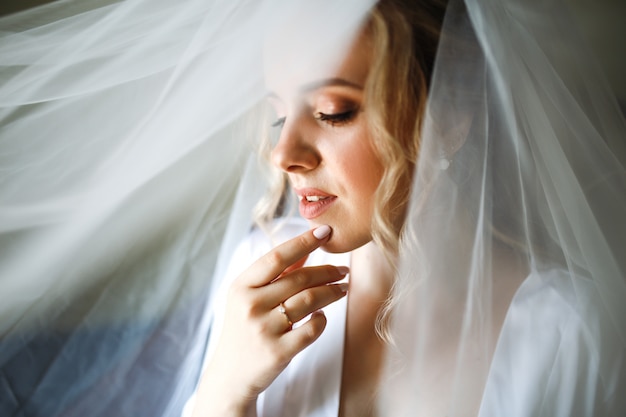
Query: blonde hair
{"points": [[404, 37]]}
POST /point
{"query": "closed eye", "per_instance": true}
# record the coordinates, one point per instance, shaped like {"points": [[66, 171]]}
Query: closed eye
{"points": [[337, 118]]}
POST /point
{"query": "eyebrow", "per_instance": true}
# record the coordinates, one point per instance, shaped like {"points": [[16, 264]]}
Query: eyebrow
{"points": [[330, 82], [327, 82]]}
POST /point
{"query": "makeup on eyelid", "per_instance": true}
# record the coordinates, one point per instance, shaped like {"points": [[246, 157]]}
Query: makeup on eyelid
{"points": [[326, 149], [328, 108]]}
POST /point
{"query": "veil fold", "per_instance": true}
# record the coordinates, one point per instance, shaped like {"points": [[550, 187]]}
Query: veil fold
{"points": [[516, 249], [128, 172], [126, 165]]}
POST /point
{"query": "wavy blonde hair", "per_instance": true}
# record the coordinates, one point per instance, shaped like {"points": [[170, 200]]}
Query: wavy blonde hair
{"points": [[403, 35]]}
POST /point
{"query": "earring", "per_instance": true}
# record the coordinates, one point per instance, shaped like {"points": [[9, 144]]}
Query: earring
{"points": [[445, 159], [444, 163]]}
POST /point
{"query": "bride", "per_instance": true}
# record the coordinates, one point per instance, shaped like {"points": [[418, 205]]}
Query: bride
{"points": [[349, 143], [335, 163], [443, 233]]}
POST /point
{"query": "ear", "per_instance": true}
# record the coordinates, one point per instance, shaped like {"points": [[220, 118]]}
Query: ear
{"points": [[452, 133], [456, 135], [450, 126]]}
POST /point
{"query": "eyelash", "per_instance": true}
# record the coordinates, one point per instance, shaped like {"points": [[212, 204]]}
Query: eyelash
{"points": [[332, 119], [337, 118]]}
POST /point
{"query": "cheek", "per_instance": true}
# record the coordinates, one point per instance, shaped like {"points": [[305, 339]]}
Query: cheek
{"points": [[358, 171], [363, 167], [361, 171]]}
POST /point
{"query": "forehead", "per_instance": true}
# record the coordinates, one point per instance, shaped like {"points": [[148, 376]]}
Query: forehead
{"points": [[295, 73]]}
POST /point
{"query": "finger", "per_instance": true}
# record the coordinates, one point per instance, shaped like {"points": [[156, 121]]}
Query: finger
{"points": [[295, 341], [284, 315], [312, 299], [272, 264], [299, 264], [280, 320], [293, 282]]}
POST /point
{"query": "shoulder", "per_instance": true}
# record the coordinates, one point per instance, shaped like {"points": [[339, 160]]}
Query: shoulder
{"points": [[556, 300], [556, 354]]}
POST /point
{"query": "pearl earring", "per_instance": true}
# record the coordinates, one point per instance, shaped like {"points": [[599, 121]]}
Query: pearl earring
{"points": [[444, 163]]}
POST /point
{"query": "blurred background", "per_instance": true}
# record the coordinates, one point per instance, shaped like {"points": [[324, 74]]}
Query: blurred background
{"points": [[601, 22]]}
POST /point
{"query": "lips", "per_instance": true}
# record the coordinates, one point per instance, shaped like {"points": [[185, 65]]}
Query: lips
{"points": [[314, 202]]}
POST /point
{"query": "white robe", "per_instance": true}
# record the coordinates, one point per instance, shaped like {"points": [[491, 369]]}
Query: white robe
{"points": [[553, 357]]}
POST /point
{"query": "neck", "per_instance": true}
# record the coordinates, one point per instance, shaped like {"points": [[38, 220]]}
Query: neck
{"points": [[371, 278], [371, 273]]}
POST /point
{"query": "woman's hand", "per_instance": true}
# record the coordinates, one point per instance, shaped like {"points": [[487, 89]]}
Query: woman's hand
{"points": [[257, 341]]}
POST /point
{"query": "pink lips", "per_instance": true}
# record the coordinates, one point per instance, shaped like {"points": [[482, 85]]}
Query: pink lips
{"points": [[314, 202]]}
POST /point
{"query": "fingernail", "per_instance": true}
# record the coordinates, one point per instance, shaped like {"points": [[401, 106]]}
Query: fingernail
{"points": [[343, 270], [321, 232], [343, 286]]}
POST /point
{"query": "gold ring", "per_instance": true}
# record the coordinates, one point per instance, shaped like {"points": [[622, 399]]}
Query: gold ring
{"points": [[283, 310]]}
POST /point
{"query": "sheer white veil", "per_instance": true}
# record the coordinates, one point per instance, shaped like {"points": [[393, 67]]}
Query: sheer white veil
{"points": [[127, 128], [532, 204], [128, 173]]}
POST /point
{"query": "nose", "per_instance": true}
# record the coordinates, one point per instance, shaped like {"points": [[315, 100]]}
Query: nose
{"points": [[294, 153]]}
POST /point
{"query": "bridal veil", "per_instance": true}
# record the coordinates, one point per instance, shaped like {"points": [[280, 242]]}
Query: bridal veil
{"points": [[129, 170]]}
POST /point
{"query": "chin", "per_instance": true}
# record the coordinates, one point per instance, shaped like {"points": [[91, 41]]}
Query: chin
{"points": [[339, 243]]}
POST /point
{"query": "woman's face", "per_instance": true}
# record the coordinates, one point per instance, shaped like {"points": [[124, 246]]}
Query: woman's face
{"points": [[326, 150]]}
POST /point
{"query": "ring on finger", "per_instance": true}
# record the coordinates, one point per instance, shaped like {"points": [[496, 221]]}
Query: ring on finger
{"points": [[283, 311]]}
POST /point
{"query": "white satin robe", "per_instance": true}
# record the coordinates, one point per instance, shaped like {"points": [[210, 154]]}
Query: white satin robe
{"points": [[553, 356]]}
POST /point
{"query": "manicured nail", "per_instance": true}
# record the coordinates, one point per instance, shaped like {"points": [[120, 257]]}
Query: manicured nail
{"points": [[343, 270], [321, 232], [343, 286]]}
